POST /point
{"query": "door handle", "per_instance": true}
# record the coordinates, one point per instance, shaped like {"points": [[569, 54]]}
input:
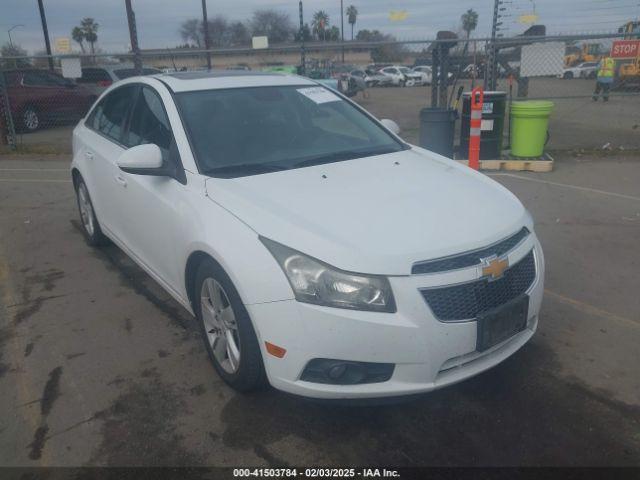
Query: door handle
{"points": [[89, 155], [120, 179]]}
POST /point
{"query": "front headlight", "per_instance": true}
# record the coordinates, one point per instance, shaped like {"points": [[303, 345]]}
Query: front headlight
{"points": [[318, 283]]}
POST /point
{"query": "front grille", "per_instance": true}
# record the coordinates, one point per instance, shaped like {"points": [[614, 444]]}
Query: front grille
{"points": [[468, 300], [469, 259]]}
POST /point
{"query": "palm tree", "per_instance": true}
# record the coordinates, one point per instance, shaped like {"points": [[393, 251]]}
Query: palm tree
{"points": [[78, 36], [469, 21], [90, 30], [320, 22], [352, 13]]}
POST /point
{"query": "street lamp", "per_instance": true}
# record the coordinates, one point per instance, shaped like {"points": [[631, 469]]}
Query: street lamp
{"points": [[9, 33]]}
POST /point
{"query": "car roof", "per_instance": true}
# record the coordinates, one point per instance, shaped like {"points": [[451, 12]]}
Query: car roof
{"points": [[218, 79], [111, 67]]}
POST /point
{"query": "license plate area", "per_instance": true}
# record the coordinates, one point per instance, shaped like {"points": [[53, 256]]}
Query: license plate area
{"points": [[502, 323]]}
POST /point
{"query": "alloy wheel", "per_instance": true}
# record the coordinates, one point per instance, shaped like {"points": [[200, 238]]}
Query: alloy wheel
{"points": [[86, 210], [220, 325], [31, 120]]}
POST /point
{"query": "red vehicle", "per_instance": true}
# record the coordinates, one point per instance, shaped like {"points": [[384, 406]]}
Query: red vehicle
{"points": [[40, 98]]}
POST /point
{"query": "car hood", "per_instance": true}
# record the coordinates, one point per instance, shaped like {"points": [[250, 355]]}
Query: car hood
{"points": [[375, 215]]}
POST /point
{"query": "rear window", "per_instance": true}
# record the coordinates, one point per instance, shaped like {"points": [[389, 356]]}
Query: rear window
{"points": [[131, 72]]}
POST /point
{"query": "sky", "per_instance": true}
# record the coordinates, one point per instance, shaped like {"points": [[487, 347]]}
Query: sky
{"points": [[159, 20]]}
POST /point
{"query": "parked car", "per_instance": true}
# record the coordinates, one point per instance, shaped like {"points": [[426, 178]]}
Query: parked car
{"points": [[583, 70], [98, 77], [318, 251], [355, 84], [40, 98], [372, 79], [425, 73], [401, 76]]}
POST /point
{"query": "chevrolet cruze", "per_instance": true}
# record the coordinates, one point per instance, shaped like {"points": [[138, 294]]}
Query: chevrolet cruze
{"points": [[318, 251]]}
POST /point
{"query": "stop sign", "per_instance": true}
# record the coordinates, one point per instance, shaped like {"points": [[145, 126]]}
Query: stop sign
{"points": [[625, 49]]}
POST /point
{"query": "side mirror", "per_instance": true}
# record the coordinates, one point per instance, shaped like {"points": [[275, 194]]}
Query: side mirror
{"points": [[390, 125], [142, 160], [147, 160]]}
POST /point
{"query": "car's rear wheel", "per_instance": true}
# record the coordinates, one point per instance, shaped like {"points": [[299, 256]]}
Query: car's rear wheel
{"points": [[90, 226], [227, 331], [30, 119]]}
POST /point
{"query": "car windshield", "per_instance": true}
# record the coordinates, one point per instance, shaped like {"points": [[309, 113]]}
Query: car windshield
{"points": [[405, 70], [247, 131]]}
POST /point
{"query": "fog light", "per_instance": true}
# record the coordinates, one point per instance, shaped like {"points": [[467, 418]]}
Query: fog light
{"points": [[340, 372], [337, 371]]}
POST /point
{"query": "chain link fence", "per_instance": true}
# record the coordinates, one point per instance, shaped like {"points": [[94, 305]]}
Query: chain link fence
{"points": [[392, 79]]}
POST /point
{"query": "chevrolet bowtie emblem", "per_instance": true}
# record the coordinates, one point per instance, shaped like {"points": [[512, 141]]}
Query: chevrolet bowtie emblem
{"points": [[494, 267]]}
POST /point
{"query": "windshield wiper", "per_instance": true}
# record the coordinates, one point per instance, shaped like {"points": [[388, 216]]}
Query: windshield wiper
{"points": [[343, 155], [242, 169]]}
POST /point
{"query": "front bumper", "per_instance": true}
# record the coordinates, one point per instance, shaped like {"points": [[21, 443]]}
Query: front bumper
{"points": [[427, 353]]}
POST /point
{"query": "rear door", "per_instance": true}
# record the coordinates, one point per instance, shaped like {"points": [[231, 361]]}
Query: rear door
{"points": [[102, 145], [38, 93]]}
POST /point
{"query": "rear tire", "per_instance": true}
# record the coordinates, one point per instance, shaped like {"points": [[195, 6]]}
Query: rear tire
{"points": [[227, 330], [90, 226]]}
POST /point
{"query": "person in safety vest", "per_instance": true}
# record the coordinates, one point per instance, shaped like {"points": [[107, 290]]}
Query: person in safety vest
{"points": [[606, 72]]}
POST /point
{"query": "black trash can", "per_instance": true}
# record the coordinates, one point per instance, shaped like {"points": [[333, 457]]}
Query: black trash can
{"points": [[493, 110], [437, 127]]}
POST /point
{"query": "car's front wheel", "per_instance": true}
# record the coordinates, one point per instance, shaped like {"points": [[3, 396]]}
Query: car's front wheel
{"points": [[227, 330], [567, 75], [90, 226]]}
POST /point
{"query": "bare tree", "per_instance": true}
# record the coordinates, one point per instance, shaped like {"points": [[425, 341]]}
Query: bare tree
{"points": [[275, 25], [190, 31]]}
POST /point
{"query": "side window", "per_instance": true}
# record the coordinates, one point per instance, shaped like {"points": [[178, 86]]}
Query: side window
{"points": [[33, 79], [110, 114], [94, 75], [149, 122], [54, 80]]}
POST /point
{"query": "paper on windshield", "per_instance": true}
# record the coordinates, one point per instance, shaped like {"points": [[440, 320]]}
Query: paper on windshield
{"points": [[319, 94]]}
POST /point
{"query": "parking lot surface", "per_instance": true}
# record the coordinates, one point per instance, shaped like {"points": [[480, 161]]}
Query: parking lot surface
{"points": [[98, 366]]}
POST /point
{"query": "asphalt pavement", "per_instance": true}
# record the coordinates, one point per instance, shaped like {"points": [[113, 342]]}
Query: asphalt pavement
{"points": [[98, 366]]}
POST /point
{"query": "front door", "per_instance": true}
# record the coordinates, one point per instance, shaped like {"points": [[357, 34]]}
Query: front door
{"points": [[150, 206]]}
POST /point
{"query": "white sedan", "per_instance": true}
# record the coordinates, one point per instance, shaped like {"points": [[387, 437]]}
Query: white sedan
{"points": [[318, 251], [402, 76], [425, 72], [583, 70]]}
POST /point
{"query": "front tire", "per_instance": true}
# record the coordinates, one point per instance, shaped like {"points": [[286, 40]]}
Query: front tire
{"points": [[226, 329], [567, 75], [90, 226]]}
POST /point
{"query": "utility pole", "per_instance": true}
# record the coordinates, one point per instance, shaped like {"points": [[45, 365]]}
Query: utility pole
{"points": [[342, 29], [205, 26], [45, 31], [490, 71], [133, 36], [303, 60]]}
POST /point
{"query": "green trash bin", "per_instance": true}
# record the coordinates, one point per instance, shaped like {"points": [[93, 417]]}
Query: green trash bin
{"points": [[529, 125]]}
